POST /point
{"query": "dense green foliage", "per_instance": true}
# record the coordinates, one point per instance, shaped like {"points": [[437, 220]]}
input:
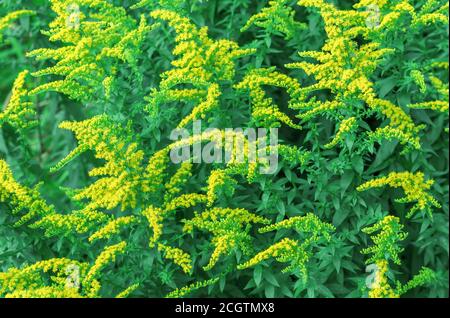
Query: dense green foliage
{"points": [[91, 90]]}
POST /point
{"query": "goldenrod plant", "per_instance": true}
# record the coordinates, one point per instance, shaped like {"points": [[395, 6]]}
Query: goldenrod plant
{"points": [[224, 148]]}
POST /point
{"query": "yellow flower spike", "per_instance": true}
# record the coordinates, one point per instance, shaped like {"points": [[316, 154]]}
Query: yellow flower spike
{"points": [[128, 291], [419, 79], [202, 63], [178, 256], [113, 228], [381, 287], [155, 217], [123, 171], [346, 126], [77, 221], [227, 228], [98, 37], [22, 198], [173, 187], [185, 201], [413, 184], [309, 223], [29, 281], [386, 242], [278, 17], [203, 108], [19, 113], [107, 256], [264, 110], [181, 292], [287, 250]]}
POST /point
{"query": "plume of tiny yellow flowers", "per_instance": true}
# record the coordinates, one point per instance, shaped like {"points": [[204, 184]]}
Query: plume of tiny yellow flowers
{"points": [[29, 281], [386, 248], [155, 217], [123, 172], [178, 256], [413, 184], [419, 79], [346, 126], [202, 63], [344, 67], [287, 250], [90, 282], [173, 187], [98, 36], [381, 287], [401, 14], [113, 227], [21, 198], [441, 88], [386, 241], [264, 111], [424, 277], [128, 291], [7, 20], [68, 224], [167, 4], [277, 17], [309, 224], [229, 227], [181, 292], [400, 127], [19, 113]]}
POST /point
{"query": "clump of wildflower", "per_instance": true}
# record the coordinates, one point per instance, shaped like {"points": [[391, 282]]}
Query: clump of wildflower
{"points": [[415, 187], [277, 17], [19, 112], [181, 292], [21, 198], [386, 242], [178, 256], [7, 20], [229, 227]]}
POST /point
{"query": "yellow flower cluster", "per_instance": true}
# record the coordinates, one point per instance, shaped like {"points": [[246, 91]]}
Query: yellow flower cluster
{"points": [[113, 227], [276, 18], [21, 198], [107, 256], [181, 176], [227, 227], [178, 256], [381, 287], [29, 282], [414, 186], [128, 291], [401, 126], [18, 111], [123, 173], [309, 224], [264, 110], [287, 250], [346, 126], [202, 63], [7, 20], [98, 35], [155, 217], [181, 292], [66, 224], [386, 242], [419, 79]]}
